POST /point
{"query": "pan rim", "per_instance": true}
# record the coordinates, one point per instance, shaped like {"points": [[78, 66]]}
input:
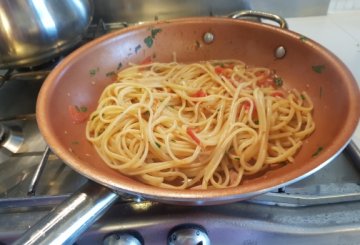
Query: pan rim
{"points": [[186, 196]]}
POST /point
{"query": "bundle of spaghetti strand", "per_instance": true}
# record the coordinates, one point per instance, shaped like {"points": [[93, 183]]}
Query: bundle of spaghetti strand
{"points": [[199, 125]]}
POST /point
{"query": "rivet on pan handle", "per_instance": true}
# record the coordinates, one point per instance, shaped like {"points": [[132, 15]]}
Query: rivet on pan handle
{"points": [[262, 15]]}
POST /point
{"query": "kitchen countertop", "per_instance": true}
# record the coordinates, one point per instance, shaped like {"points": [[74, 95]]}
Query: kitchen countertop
{"points": [[338, 32]]}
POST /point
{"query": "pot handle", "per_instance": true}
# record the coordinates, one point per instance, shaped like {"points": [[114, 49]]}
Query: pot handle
{"points": [[261, 15], [70, 219]]}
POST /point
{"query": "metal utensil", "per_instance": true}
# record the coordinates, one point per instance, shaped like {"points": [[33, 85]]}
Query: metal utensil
{"points": [[32, 32]]}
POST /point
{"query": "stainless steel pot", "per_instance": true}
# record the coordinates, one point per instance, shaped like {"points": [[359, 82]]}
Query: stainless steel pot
{"points": [[34, 31]]}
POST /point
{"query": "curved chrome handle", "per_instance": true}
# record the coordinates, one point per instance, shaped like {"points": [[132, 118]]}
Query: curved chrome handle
{"points": [[70, 219], [262, 15]]}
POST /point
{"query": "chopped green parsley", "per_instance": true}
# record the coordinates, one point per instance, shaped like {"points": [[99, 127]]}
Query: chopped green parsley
{"points": [[317, 152], [318, 68]]}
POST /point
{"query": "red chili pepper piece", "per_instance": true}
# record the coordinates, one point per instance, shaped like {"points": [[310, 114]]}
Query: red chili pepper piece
{"points": [[199, 93], [277, 94], [246, 105], [219, 70], [259, 73], [77, 115], [224, 71], [146, 61], [266, 82], [193, 136]]}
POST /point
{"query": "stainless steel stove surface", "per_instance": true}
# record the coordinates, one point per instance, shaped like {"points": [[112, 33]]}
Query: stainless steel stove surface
{"points": [[324, 208]]}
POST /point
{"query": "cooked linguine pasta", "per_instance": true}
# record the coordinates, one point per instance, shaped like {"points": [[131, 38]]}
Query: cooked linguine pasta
{"points": [[199, 125]]}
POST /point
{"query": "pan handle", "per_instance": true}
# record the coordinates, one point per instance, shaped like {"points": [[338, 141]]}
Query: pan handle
{"points": [[70, 219], [261, 15]]}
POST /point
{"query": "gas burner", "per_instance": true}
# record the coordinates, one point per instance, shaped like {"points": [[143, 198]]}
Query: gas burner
{"points": [[11, 140], [24, 74], [40, 71], [40, 67]]}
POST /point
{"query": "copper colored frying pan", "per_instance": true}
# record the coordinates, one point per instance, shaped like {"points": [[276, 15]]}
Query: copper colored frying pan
{"points": [[302, 63]]}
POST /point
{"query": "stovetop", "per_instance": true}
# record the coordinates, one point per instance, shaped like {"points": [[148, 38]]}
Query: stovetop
{"points": [[323, 208]]}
